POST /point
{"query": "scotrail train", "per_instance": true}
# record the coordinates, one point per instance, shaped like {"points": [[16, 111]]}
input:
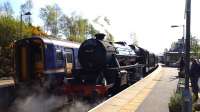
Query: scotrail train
{"points": [[93, 67]]}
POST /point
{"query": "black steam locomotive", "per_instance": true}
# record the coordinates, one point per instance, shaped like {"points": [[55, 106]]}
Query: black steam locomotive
{"points": [[105, 62], [108, 66]]}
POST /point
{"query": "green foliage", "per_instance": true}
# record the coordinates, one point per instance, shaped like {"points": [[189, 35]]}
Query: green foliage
{"points": [[10, 27], [75, 28], [79, 29], [175, 104], [195, 47], [9, 30], [50, 15], [75, 38]]}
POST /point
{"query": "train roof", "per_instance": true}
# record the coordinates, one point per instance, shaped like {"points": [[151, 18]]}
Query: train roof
{"points": [[174, 52], [54, 41]]}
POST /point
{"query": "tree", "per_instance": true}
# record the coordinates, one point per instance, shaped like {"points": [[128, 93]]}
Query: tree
{"points": [[6, 9], [195, 47], [64, 25], [80, 29], [9, 30], [106, 22], [26, 7], [92, 30], [50, 15], [74, 27]]}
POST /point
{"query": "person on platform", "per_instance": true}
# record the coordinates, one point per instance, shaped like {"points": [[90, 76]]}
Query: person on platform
{"points": [[181, 67], [182, 64], [194, 75]]}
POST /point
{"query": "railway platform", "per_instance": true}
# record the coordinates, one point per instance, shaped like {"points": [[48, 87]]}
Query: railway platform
{"points": [[6, 93], [151, 94]]}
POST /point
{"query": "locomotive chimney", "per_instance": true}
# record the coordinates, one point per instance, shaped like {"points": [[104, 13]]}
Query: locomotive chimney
{"points": [[99, 36]]}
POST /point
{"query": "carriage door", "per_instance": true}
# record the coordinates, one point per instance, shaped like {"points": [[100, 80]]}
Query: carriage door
{"points": [[68, 62], [24, 63]]}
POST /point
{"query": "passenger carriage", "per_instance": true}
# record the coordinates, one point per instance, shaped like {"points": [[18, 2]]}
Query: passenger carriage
{"points": [[45, 59]]}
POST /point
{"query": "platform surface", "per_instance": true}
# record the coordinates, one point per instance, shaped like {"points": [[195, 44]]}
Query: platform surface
{"points": [[158, 99], [150, 94]]}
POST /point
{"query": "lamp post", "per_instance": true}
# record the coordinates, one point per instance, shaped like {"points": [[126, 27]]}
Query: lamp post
{"points": [[187, 105], [183, 26], [183, 38], [21, 15]]}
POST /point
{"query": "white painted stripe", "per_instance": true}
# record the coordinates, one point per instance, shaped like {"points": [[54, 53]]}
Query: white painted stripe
{"points": [[6, 83], [62, 43]]}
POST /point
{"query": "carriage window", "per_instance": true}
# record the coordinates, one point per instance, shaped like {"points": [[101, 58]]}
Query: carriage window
{"points": [[69, 57], [59, 55]]}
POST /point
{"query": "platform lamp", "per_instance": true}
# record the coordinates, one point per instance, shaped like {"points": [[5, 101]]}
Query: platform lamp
{"points": [[21, 15], [183, 38]]}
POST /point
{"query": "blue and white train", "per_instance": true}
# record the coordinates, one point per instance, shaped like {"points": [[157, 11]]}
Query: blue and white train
{"points": [[45, 59]]}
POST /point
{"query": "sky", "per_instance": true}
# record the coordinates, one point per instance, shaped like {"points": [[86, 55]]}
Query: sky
{"points": [[150, 20]]}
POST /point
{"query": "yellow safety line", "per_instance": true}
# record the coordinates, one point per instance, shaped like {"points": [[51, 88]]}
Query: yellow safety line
{"points": [[134, 103]]}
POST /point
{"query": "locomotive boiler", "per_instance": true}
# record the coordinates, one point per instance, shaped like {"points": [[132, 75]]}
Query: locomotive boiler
{"points": [[105, 62], [96, 54]]}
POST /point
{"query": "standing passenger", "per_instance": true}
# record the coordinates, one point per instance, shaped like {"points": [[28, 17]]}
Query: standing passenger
{"points": [[194, 75], [181, 66]]}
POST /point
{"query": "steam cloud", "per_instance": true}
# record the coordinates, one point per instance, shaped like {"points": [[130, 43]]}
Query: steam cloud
{"points": [[43, 103], [35, 99]]}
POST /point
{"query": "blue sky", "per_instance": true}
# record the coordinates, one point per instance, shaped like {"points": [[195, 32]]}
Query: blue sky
{"points": [[149, 19], [15, 4]]}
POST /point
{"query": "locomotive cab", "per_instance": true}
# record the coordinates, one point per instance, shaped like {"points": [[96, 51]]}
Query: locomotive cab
{"points": [[29, 59]]}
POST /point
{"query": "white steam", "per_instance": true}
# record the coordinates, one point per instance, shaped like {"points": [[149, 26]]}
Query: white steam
{"points": [[42, 103], [37, 103]]}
